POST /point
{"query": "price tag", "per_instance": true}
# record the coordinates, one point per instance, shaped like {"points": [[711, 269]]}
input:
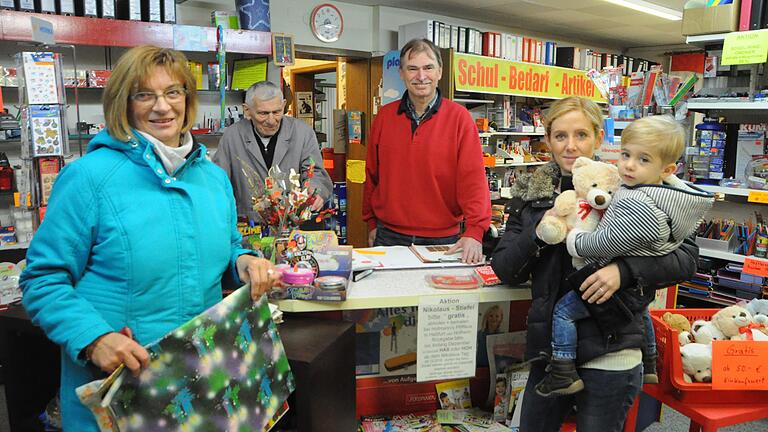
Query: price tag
{"points": [[748, 47], [739, 365], [755, 266], [760, 197]]}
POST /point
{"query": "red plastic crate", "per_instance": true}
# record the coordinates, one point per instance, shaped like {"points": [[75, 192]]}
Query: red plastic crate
{"points": [[670, 365]]}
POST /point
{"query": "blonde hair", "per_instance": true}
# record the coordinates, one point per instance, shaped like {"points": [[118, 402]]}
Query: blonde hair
{"points": [[492, 309], [559, 108], [132, 71], [662, 134]]}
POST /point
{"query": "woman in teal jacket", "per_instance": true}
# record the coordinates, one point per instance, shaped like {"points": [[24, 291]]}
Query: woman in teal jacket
{"points": [[139, 233]]}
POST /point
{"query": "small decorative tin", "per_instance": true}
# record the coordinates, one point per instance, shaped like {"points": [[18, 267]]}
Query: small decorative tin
{"points": [[331, 283]]}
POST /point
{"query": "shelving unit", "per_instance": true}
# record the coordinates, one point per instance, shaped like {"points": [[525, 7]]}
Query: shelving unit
{"points": [[19, 245], [74, 30], [728, 190], [474, 101], [704, 40], [490, 134], [522, 164], [743, 111]]}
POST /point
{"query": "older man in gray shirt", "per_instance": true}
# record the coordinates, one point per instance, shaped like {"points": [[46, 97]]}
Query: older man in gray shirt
{"points": [[265, 138]]}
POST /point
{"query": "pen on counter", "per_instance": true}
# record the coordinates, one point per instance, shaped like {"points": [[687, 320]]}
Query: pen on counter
{"points": [[361, 274]]}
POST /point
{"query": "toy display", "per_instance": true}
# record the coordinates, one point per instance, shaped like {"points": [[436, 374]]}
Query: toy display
{"points": [[730, 320], [697, 362]]}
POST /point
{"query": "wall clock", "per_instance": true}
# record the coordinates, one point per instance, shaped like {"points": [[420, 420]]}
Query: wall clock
{"points": [[327, 22]]}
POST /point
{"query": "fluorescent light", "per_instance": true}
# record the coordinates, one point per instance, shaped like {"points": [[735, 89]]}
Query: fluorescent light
{"points": [[649, 8]]}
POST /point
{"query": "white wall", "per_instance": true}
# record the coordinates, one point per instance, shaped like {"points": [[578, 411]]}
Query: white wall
{"points": [[370, 28], [292, 17]]}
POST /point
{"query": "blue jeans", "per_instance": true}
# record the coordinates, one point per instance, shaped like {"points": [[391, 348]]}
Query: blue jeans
{"points": [[387, 237], [569, 309], [650, 334], [601, 407]]}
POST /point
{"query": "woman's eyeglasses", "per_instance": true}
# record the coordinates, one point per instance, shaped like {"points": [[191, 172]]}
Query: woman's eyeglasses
{"points": [[172, 95]]}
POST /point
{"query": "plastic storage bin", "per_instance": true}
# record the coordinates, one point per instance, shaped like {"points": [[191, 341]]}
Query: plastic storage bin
{"points": [[670, 365]]}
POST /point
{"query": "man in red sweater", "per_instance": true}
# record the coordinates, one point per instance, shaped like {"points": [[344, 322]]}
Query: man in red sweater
{"points": [[424, 169]]}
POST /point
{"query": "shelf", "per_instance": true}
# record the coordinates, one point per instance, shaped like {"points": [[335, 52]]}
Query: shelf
{"points": [[621, 124], [480, 101], [522, 164], [490, 134], [20, 245], [702, 298], [737, 111], [728, 190], [71, 138], [729, 256], [703, 40], [122, 33], [708, 105]]}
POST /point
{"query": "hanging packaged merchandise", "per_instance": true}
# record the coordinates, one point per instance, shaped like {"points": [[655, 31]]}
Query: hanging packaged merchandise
{"points": [[45, 130], [47, 170], [6, 174]]}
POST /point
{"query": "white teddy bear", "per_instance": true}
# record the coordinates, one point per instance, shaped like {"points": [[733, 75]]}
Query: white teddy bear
{"points": [[759, 310], [593, 185], [730, 320], [704, 332], [697, 362]]}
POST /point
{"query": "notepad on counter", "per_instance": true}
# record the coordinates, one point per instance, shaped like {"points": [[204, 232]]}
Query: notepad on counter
{"points": [[435, 253]]}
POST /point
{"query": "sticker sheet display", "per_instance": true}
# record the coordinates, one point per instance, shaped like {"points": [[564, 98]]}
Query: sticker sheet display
{"points": [[224, 370], [45, 125], [40, 77]]}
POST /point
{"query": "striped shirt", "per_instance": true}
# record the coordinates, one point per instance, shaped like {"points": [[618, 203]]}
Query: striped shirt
{"points": [[644, 220]]}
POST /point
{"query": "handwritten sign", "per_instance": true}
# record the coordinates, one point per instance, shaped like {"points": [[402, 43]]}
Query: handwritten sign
{"points": [[739, 365], [755, 266], [760, 197], [747, 47], [447, 337], [494, 75]]}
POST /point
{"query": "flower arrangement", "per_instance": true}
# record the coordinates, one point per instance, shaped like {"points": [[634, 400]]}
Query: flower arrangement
{"points": [[284, 203]]}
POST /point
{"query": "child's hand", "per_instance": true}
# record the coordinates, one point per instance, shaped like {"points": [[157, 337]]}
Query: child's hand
{"points": [[600, 285]]}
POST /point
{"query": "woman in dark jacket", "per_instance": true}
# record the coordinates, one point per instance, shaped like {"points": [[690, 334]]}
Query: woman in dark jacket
{"points": [[609, 360]]}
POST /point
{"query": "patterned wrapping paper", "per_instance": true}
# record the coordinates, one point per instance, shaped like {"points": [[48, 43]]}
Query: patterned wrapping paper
{"points": [[224, 370]]}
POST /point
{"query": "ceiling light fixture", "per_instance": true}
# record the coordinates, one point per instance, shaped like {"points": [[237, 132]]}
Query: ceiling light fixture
{"points": [[650, 8]]}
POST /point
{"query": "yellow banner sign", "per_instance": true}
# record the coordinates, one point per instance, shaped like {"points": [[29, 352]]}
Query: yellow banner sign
{"points": [[493, 75], [747, 47]]}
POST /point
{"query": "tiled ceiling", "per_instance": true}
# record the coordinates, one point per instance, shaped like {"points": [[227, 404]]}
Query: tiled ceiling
{"points": [[589, 21]]}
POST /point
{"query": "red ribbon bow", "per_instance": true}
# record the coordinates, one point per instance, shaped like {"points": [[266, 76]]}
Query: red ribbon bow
{"points": [[585, 209], [747, 329]]}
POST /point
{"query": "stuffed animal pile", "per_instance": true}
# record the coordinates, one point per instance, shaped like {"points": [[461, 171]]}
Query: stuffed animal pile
{"points": [[730, 323]]}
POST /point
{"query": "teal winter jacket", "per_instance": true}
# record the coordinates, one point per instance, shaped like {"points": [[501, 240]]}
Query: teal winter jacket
{"points": [[124, 243]]}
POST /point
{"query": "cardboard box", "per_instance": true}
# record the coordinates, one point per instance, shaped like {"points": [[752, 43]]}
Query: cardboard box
{"points": [[706, 20]]}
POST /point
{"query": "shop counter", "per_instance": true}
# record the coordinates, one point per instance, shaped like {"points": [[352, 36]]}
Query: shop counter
{"points": [[401, 288]]}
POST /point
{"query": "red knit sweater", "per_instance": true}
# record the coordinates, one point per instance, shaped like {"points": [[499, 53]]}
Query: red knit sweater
{"points": [[425, 183]]}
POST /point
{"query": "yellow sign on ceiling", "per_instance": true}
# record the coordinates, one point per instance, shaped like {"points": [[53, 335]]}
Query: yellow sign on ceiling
{"points": [[494, 75]]}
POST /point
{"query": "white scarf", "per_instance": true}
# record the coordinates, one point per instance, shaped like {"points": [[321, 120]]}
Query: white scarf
{"points": [[171, 157]]}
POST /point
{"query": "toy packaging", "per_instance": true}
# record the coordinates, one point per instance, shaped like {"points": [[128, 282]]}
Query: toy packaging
{"points": [[317, 255]]}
